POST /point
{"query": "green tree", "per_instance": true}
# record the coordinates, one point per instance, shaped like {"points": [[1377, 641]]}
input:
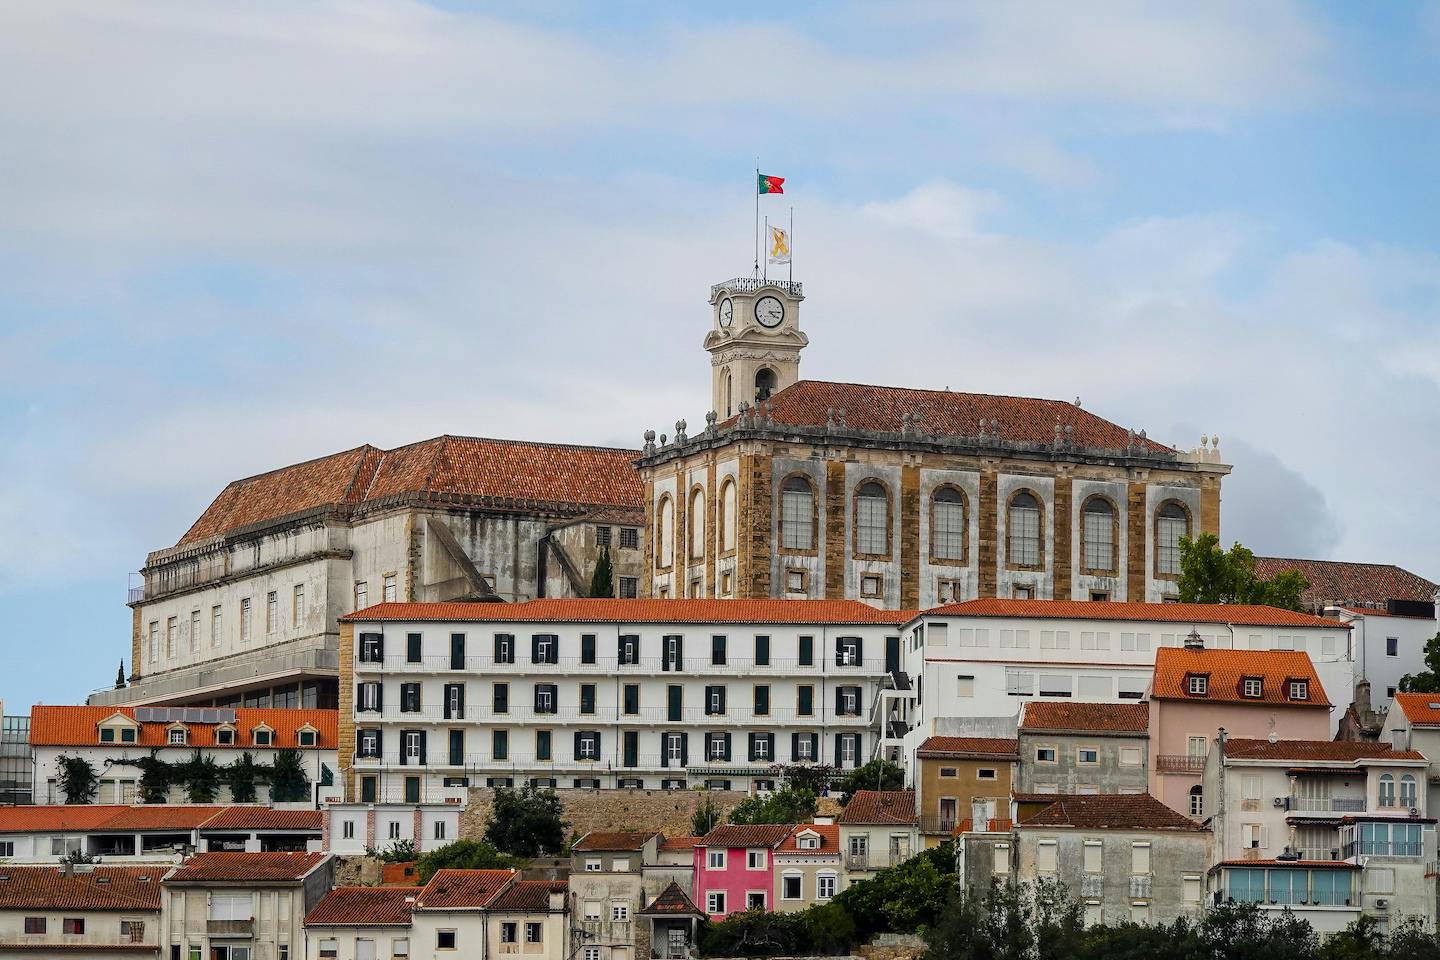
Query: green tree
{"points": [[878, 774], [815, 777], [241, 776], [602, 581], [289, 783], [156, 776], [202, 778], [1427, 680], [526, 822], [399, 851], [1209, 574], [788, 805], [907, 898], [1359, 941], [77, 779], [706, 816], [463, 855], [1409, 940]]}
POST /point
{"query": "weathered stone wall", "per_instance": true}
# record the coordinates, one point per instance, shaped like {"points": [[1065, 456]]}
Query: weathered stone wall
{"points": [[668, 811], [357, 871]]}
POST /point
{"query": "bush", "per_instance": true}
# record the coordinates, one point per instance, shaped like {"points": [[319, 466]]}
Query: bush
{"points": [[790, 805], [526, 823], [821, 930], [463, 855], [401, 851], [77, 779], [907, 898]]}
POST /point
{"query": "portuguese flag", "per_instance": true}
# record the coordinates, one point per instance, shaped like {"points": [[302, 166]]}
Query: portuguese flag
{"points": [[769, 184]]}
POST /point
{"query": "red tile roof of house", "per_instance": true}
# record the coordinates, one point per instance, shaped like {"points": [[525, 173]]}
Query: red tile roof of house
{"points": [[829, 834], [1127, 718], [880, 806], [273, 867], [672, 902], [618, 840], [678, 843], [265, 818], [528, 896], [78, 726], [57, 818], [462, 889], [1226, 668], [93, 888], [1315, 750], [179, 816], [86, 818], [734, 835], [1367, 612], [1122, 811], [597, 610], [959, 748], [363, 907], [1248, 615], [1343, 582], [1421, 709], [945, 412], [501, 474]]}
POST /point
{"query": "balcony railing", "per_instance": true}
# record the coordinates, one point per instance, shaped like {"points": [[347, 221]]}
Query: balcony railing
{"points": [[1326, 804], [1179, 763], [230, 928], [608, 666], [608, 714], [751, 284]]}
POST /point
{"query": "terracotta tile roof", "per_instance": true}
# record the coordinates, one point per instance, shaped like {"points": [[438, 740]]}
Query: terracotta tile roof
{"points": [[679, 843], [1297, 864], [272, 867], [1315, 750], [1132, 718], [528, 896], [829, 841], [1226, 668], [1367, 612], [265, 818], [62, 818], [1421, 709], [734, 835], [400, 874], [363, 906], [596, 610], [1342, 582], [1239, 614], [462, 889], [98, 888], [78, 726], [613, 840], [945, 412], [496, 473], [179, 816], [56, 818], [880, 806], [1039, 797], [965, 747], [1136, 811], [672, 902]]}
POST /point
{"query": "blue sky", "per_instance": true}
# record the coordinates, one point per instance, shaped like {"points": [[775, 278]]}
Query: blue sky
{"points": [[236, 237]]}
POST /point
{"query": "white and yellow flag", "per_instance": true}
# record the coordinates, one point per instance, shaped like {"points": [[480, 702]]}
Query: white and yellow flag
{"points": [[779, 246]]}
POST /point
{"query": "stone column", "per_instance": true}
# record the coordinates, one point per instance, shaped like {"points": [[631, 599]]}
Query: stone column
{"points": [[345, 719], [911, 504], [1138, 534], [837, 553], [989, 523], [1064, 533]]}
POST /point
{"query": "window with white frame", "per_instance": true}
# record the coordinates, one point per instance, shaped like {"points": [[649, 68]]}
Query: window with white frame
{"points": [[1098, 529], [194, 630], [1045, 856], [1023, 530], [619, 911], [217, 618], [825, 886], [272, 611], [592, 909], [297, 606], [790, 887], [714, 860], [1197, 684], [1299, 690], [872, 519], [1171, 523], [947, 534], [388, 588], [797, 515], [1087, 755], [715, 901], [755, 859], [245, 620]]}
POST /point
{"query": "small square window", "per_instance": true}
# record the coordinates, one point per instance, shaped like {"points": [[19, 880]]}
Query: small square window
{"points": [[1024, 593], [1087, 755], [1044, 754], [1254, 687], [949, 772], [872, 586], [985, 773], [1299, 690], [1197, 685], [715, 901], [794, 581]]}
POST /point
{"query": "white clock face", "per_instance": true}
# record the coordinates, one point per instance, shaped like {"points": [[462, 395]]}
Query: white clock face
{"points": [[769, 311], [727, 312]]}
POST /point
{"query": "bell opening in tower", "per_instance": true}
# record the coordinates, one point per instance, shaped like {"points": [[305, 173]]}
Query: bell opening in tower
{"points": [[764, 384]]}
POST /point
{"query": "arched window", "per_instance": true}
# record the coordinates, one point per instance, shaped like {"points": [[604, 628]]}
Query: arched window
{"points": [[729, 394], [1098, 532], [727, 515], [1387, 790], [1023, 530], [872, 519], [947, 524], [1407, 791], [1197, 801], [797, 514], [664, 532], [697, 524], [764, 383], [1171, 523]]}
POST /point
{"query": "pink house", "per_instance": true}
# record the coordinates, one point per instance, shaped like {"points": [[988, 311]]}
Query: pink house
{"points": [[735, 868], [1251, 693]]}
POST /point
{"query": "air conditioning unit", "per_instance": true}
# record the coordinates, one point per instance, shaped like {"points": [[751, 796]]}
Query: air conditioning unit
{"points": [[1382, 904], [1414, 811], [1279, 802]]}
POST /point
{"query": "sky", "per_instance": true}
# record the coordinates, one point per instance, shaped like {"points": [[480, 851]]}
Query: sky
{"points": [[238, 236]]}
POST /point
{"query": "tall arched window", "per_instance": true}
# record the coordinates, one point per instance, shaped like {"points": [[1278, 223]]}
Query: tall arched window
{"points": [[1023, 530], [727, 515], [947, 524], [729, 394], [1098, 534], [797, 514], [1407, 791], [1387, 790], [664, 532], [872, 519], [1197, 801], [697, 524], [1171, 523]]}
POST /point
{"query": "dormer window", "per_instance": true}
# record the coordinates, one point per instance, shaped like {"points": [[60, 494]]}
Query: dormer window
{"points": [[263, 737], [808, 841], [1252, 687], [1299, 689], [1197, 684], [107, 734], [177, 736], [118, 728], [306, 736], [225, 736]]}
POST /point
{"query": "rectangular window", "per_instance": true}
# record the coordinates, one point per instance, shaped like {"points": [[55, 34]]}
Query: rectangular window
{"points": [[629, 590], [1140, 858], [72, 925], [717, 651], [500, 744], [412, 648], [715, 901], [762, 700], [1019, 683], [509, 932], [533, 932], [807, 651], [755, 860], [245, 620], [790, 887], [805, 701], [444, 939], [542, 745], [501, 702], [629, 538], [1092, 856], [1130, 756], [1055, 685], [1299, 690], [1087, 755], [1392, 646], [872, 585], [587, 698], [602, 536], [297, 606], [715, 859], [1045, 856], [965, 686], [272, 611], [388, 591], [216, 625], [587, 647], [1197, 685], [364, 949], [619, 911], [34, 925]]}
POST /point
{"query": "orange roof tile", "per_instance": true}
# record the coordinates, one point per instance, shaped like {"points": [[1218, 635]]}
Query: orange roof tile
{"points": [[78, 726], [462, 889], [56, 818], [265, 818], [829, 841], [880, 806], [177, 816], [528, 896], [501, 474], [636, 611], [363, 907], [1343, 582], [274, 867], [626, 840], [1249, 615], [735, 835], [679, 843], [672, 902], [1344, 751], [95, 888], [86, 818], [995, 748], [1421, 709], [1226, 668], [1124, 811], [1129, 718]]}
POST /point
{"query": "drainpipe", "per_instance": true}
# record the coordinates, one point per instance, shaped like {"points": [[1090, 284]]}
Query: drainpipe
{"points": [[1220, 803]]}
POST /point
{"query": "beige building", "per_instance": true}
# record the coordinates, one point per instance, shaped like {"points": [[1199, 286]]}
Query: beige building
{"points": [[530, 919], [808, 866], [878, 829], [360, 923], [242, 906], [904, 498], [80, 911], [960, 779]]}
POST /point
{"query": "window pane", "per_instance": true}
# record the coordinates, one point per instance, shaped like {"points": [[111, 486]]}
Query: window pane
{"points": [[949, 532], [797, 507], [1099, 536], [1024, 534]]}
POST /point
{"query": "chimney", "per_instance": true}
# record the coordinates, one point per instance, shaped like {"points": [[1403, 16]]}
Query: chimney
{"points": [[1193, 640]]}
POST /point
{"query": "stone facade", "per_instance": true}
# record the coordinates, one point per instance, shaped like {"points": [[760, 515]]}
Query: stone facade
{"points": [[665, 811]]}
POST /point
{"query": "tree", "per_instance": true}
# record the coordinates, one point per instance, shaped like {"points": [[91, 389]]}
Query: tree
{"points": [[1428, 680], [289, 783], [905, 898], [815, 777], [77, 779], [156, 777], [240, 776], [790, 805], [202, 778], [602, 581], [1211, 575], [878, 774], [463, 855], [706, 816], [399, 851], [526, 822]]}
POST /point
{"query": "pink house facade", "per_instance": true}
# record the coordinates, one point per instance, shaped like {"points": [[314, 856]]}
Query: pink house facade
{"points": [[735, 868], [1252, 694]]}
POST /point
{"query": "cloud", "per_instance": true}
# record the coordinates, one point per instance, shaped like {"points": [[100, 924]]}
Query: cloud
{"points": [[1273, 509]]}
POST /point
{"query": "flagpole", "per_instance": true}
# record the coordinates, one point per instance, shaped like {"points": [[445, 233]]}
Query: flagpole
{"points": [[766, 235], [757, 217], [792, 244]]}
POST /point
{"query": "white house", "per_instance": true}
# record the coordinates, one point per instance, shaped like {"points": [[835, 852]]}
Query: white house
{"points": [[242, 906], [353, 828], [361, 923], [1387, 646], [152, 832], [75, 911]]}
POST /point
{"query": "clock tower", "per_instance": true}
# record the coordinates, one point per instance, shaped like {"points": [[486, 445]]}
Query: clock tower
{"points": [[754, 341]]}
